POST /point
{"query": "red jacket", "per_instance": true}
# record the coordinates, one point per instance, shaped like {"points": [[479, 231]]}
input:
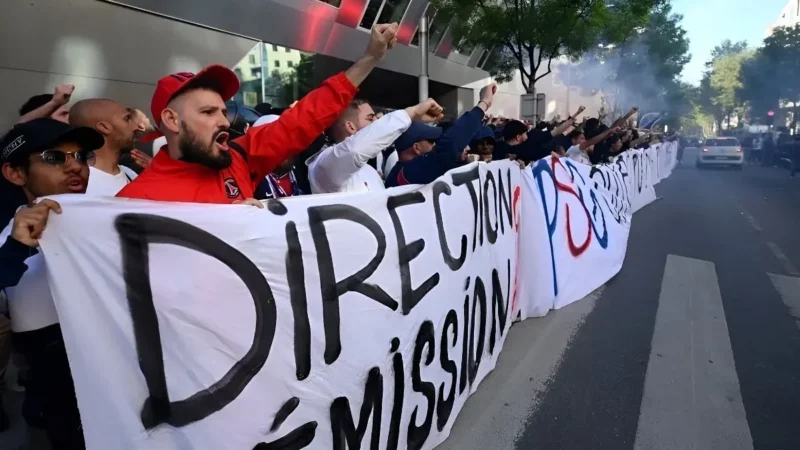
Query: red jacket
{"points": [[267, 146]]}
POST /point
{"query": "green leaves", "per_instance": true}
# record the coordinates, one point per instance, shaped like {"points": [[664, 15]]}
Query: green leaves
{"points": [[760, 78], [526, 35]]}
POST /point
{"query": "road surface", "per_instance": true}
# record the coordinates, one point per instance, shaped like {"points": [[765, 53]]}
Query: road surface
{"points": [[695, 344]]}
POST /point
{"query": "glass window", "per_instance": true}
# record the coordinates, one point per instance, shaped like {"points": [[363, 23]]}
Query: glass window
{"points": [[431, 13], [249, 73], [436, 30], [393, 11], [278, 82], [250, 98], [464, 48], [373, 7], [484, 58], [274, 48], [722, 142]]}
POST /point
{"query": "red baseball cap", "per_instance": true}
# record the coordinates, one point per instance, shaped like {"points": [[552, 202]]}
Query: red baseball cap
{"points": [[175, 84]]}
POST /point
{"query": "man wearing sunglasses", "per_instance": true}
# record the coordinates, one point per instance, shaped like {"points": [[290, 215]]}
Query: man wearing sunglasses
{"points": [[43, 157]]}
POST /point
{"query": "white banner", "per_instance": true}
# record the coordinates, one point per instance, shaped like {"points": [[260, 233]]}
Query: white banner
{"points": [[331, 321], [576, 220]]}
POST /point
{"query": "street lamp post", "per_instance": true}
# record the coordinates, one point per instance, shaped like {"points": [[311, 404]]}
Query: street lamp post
{"points": [[423, 52]]}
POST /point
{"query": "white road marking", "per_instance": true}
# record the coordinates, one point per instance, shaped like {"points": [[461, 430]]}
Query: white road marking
{"points": [[789, 289], [790, 268], [751, 219], [691, 394], [495, 416]]}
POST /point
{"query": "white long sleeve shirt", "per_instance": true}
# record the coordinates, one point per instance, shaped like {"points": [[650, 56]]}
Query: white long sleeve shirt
{"points": [[343, 167]]}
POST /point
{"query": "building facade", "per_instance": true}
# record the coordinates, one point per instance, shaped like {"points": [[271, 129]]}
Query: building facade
{"points": [[788, 17], [279, 48]]}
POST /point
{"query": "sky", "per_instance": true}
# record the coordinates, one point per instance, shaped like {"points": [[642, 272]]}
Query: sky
{"points": [[709, 22]]}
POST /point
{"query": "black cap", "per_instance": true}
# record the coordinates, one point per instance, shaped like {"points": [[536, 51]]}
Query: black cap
{"points": [[42, 134]]}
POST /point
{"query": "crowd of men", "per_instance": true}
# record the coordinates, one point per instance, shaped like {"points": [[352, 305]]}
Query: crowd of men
{"points": [[327, 142]]}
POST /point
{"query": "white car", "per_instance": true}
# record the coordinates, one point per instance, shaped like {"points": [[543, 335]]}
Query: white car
{"points": [[721, 151]]}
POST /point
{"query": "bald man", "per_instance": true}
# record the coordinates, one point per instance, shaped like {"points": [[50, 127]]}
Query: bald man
{"points": [[120, 129]]}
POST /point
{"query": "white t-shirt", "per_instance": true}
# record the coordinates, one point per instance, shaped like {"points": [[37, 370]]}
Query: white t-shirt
{"points": [[107, 185], [30, 303], [576, 154], [387, 163], [343, 167]]}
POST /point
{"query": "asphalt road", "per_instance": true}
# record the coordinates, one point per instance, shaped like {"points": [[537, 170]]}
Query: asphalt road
{"points": [[694, 344]]}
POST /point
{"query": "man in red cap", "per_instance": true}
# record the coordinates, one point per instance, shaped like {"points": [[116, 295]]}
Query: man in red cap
{"points": [[197, 164]]}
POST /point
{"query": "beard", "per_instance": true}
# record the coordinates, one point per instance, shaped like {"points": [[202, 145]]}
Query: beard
{"points": [[193, 150]]}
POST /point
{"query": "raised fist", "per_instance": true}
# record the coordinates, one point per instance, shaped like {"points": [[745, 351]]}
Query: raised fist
{"points": [[427, 112], [382, 38], [63, 93], [487, 94]]}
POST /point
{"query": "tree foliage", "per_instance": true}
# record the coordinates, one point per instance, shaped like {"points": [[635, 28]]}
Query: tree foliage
{"points": [[644, 71], [726, 48], [725, 81], [761, 79], [772, 75], [526, 35], [721, 85]]}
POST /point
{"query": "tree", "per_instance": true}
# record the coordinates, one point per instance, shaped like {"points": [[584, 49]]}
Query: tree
{"points": [[724, 49], [759, 89], [782, 54], [706, 101], [725, 81], [720, 87], [644, 71], [526, 35]]}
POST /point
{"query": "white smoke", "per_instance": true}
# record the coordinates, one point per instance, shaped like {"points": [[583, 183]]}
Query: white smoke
{"points": [[625, 76]]}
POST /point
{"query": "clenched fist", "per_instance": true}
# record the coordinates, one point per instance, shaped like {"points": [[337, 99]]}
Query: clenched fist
{"points": [[427, 112], [29, 222], [382, 38], [487, 94], [63, 93]]}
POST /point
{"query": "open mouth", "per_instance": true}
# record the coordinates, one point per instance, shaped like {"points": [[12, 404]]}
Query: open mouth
{"points": [[222, 140], [76, 185]]}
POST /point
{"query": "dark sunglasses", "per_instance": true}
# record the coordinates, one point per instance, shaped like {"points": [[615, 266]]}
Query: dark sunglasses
{"points": [[58, 158]]}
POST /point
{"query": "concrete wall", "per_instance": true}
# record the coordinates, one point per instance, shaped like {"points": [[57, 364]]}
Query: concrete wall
{"points": [[103, 49]]}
